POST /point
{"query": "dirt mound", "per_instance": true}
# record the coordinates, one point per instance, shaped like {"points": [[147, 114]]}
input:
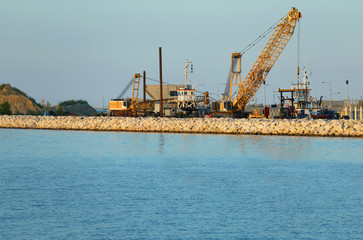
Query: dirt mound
{"points": [[80, 109], [19, 102]]}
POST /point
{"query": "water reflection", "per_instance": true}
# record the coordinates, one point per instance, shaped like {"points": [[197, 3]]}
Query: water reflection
{"points": [[295, 148], [161, 143], [283, 147], [206, 146], [223, 184]]}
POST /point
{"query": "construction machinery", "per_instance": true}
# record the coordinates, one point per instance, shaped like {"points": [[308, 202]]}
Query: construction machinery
{"points": [[262, 66], [121, 106]]}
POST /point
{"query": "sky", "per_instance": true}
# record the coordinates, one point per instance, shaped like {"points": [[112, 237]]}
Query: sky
{"points": [[89, 49]]}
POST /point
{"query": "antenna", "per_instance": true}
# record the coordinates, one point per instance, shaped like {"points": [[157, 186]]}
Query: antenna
{"points": [[186, 71]]}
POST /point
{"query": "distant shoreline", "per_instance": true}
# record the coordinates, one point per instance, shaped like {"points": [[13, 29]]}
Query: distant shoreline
{"points": [[294, 127]]}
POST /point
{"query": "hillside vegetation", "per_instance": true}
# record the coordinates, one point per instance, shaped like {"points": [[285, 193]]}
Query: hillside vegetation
{"points": [[6, 89], [75, 107], [20, 102], [72, 102]]}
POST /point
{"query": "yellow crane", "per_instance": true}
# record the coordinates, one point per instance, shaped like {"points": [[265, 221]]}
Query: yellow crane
{"points": [[265, 61]]}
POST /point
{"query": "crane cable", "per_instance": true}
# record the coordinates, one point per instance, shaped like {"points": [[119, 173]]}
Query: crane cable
{"points": [[125, 89], [176, 85], [263, 35], [159, 81], [129, 84]]}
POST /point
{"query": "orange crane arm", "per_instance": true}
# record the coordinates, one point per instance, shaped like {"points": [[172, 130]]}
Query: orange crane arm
{"points": [[267, 59]]}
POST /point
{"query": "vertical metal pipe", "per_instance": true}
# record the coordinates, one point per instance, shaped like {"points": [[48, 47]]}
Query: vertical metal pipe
{"points": [[298, 55], [144, 91], [347, 82], [161, 83]]}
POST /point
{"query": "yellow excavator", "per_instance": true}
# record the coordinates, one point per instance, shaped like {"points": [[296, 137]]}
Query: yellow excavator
{"points": [[129, 106], [265, 61]]}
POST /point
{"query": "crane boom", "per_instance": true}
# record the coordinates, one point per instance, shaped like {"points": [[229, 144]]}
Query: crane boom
{"points": [[267, 58]]}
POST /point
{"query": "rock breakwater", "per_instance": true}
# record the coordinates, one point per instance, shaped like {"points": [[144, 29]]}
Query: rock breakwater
{"points": [[296, 127]]}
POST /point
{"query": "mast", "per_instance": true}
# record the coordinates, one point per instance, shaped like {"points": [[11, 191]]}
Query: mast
{"points": [[186, 71], [298, 54]]}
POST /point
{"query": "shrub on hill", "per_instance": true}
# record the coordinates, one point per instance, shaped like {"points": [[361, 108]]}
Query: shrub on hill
{"points": [[5, 109]]}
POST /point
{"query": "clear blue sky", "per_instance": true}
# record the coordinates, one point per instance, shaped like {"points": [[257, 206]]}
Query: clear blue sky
{"points": [[86, 49]]}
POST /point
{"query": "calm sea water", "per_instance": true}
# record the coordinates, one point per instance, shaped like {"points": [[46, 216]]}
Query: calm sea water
{"points": [[111, 185]]}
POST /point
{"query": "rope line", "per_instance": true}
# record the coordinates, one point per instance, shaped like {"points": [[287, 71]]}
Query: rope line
{"points": [[263, 35]]}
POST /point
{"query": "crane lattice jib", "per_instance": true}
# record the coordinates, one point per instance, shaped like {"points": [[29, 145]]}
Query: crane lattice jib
{"points": [[267, 59]]}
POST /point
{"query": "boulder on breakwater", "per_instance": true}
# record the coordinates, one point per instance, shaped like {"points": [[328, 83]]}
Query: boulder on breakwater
{"points": [[296, 127]]}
